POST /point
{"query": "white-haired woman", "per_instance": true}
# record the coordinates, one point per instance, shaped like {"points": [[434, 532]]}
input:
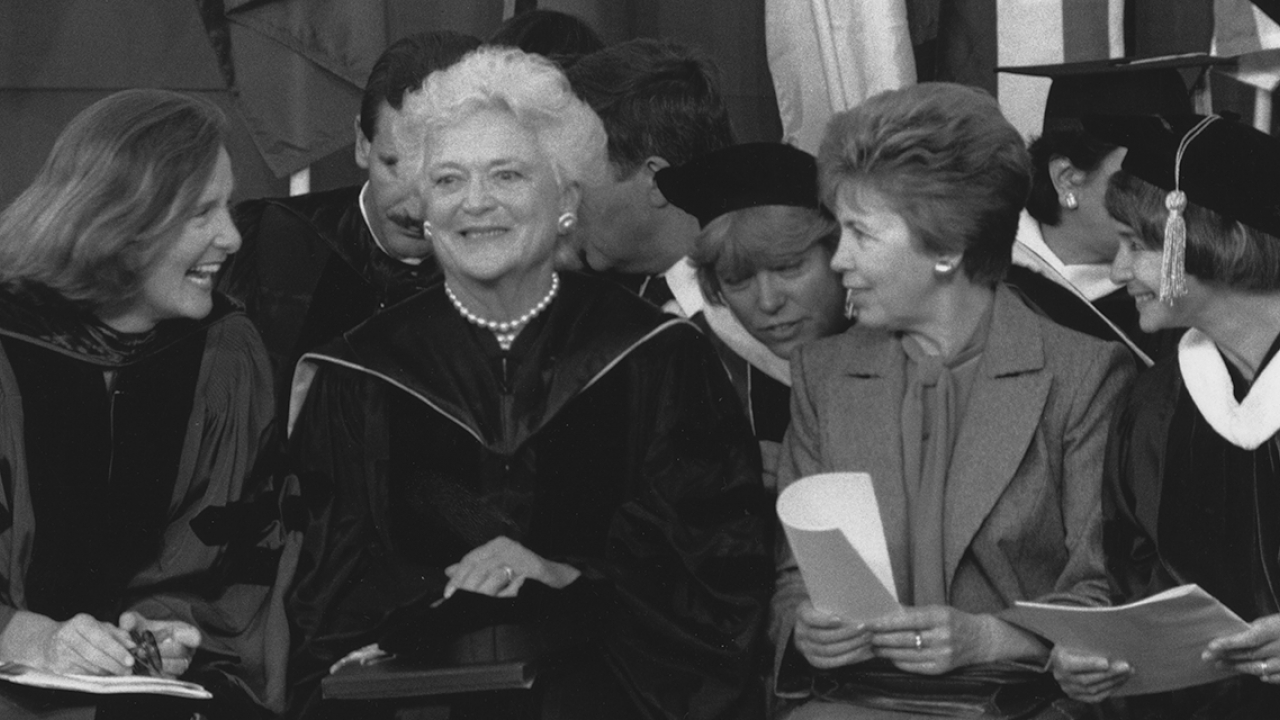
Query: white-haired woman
{"points": [[518, 430]]}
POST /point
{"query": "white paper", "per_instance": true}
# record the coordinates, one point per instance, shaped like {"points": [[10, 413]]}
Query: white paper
{"points": [[832, 522], [101, 684], [1161, 636]]}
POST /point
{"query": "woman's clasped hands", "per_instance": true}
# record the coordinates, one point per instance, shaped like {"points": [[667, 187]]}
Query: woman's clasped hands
{"points": [[500, 567], [928, 640]]}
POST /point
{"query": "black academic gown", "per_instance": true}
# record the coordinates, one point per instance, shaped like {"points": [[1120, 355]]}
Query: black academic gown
{"points": [[136, 474], [607, 438], [309, 270], [1182, 505]]}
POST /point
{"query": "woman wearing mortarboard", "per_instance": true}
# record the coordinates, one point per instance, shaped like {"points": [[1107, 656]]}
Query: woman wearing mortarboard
{"points": [[1066, 239], [1192, 485]]}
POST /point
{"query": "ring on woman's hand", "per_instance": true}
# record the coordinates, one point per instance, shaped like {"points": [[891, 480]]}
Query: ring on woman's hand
{"points": [[919, 642], [511, 574]]}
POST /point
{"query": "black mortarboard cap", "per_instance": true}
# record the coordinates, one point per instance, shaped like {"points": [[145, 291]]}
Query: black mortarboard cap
{"points": [[1215, 162], [741, 176], [1124, 86]]}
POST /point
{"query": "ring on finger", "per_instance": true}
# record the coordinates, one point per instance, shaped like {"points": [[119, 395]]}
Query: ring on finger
{"points": [[919, 642], [511, 574]]}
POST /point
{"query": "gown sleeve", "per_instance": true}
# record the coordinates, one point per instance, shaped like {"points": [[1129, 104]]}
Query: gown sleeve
{"points": [[331, 450], [228, 553], [690, 556]]}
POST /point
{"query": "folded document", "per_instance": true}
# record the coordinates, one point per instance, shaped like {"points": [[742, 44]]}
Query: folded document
{"points": [[1161, 636]]}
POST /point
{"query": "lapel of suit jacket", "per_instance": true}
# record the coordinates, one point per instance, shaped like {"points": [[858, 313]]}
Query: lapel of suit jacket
{"points": [[1004, 409], [870, 399]]}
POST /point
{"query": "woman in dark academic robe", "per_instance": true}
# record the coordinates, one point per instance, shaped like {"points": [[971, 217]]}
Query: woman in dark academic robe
{"points": [[136, 420], [520, 430], [764, 257], [1192, 491], [981, 423]]}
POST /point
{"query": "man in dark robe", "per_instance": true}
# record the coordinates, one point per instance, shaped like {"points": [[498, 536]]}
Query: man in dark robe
{"points": [[314, 266]]}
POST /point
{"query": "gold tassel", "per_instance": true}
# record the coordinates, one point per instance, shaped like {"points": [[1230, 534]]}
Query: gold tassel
{"points": [[1173, 266]]}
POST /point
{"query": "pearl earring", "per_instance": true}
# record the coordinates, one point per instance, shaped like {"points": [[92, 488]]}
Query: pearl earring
{"points": [[944, 267], [567, 222], [1070, 201], [426, 229]]}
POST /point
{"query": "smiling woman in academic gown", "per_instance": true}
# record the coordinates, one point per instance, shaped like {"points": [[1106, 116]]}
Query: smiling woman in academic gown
{"points": [[521, 429], [136, 423], [1192, 485]]}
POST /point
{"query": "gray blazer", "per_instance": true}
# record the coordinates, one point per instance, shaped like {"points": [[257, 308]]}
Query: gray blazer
{"points": [[1022, 496]]}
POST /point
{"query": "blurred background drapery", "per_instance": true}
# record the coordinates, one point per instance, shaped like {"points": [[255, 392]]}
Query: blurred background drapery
{"points": [[289, 72]]}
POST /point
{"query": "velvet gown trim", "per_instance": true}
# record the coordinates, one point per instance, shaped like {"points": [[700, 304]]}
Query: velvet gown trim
{"points": [[416, 356]]}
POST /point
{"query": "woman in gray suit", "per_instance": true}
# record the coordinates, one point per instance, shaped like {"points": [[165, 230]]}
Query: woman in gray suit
{"points": [[982, 424]]}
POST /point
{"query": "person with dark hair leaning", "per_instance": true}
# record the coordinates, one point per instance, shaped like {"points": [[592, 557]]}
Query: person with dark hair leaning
{"points": [[316, 265], [136, 423], [558, 36], [662, 110], [1191, 489], [1066, 239], [661, 106]]}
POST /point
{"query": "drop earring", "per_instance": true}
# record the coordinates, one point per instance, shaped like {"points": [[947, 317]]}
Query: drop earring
{"points": [[1070, 201], [566, 222], [426, 230]]}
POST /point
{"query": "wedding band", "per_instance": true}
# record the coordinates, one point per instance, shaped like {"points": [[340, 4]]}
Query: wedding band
{"points": [[919, 642], [511, 574]]}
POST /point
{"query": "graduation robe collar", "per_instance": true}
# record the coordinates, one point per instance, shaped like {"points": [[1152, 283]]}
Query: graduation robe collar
{"points": [[683, 281], [1247, 424], [1033, 253], [595, 325], [43, 318]]}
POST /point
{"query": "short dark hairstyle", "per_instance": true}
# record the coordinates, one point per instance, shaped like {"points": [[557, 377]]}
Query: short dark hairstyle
{"points": [[657, 99], [404, 65], [946, 159], [1083, 150], [1219, 249], [560, 37]]}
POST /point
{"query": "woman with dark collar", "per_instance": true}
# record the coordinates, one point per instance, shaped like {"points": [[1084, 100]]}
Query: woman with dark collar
{"points": [[521, 430], [764, 256], [136, 419], [1192, 491], [981, 424]]}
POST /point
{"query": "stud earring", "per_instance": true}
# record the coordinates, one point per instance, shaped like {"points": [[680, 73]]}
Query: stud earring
{"points": [[944, 267], [1070, 201], [566, 222], [426, 230]]}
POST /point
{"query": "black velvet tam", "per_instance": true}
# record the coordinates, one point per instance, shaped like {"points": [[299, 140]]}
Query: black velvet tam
{"points": [[741, 176], [1125, 86], [1228, 167]]}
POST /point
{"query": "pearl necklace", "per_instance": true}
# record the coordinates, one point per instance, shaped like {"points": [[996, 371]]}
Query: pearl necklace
{"points": [[505, 332]]}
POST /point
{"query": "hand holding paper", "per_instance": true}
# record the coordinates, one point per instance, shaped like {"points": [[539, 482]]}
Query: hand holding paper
{"points": [[832, 522]]}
